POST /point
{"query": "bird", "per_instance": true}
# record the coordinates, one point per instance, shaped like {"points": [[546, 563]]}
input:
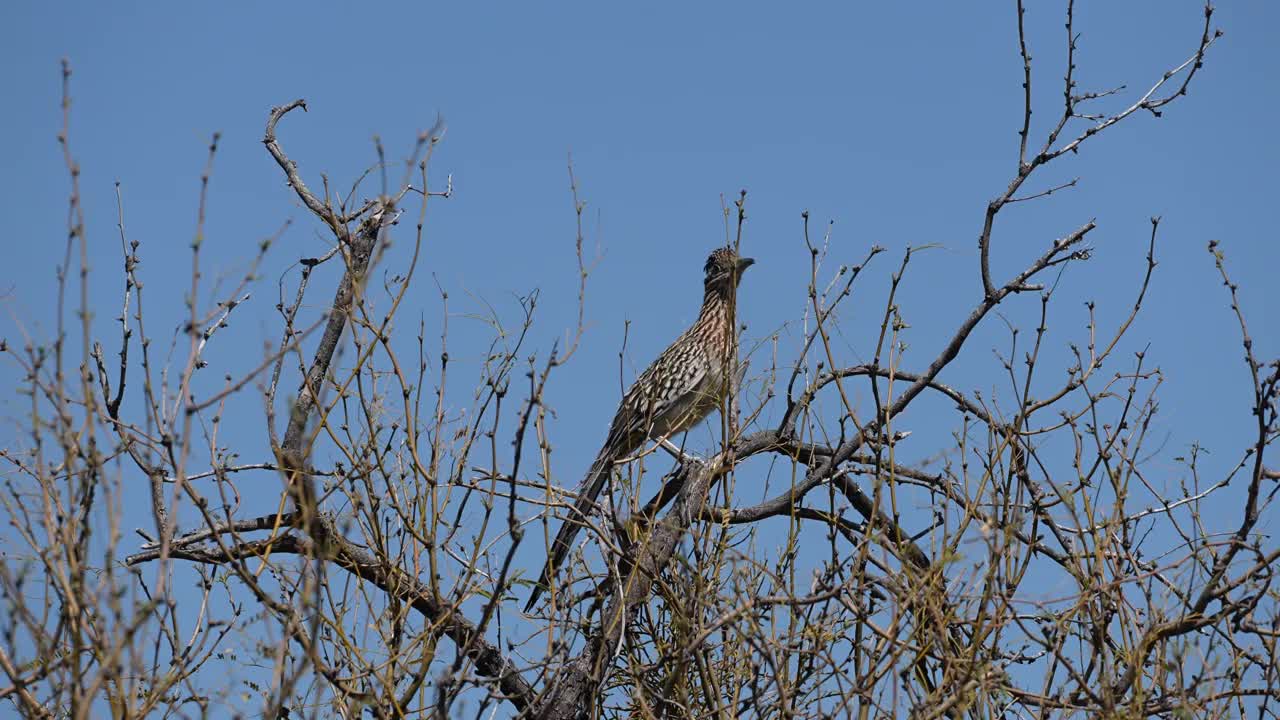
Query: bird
{"points": [[678, 390]]}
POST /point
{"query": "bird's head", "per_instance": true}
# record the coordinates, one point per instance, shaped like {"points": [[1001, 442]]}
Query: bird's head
{"points": [[724, 268]]}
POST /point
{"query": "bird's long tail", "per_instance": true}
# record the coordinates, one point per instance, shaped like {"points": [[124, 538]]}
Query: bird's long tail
{"points": [[578, 517]]}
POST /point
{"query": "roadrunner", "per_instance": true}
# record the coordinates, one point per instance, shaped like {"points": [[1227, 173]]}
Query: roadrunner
{"points": [[687, 381]]}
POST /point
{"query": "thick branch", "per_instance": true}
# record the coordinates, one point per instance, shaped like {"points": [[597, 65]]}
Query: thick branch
{"points": [[391, 580]]}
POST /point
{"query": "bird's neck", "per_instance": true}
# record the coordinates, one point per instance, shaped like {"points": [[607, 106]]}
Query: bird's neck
{"points": [[718, 306]]}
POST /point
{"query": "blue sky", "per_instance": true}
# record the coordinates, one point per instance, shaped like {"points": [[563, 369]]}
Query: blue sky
{"points": [[894, 121]]}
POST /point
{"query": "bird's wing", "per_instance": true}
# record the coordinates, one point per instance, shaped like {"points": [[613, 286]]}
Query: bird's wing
{"points": [[656, 405], [659, 399]]}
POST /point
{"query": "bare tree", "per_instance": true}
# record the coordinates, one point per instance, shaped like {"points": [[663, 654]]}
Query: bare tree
{"points": [[386, 578]]}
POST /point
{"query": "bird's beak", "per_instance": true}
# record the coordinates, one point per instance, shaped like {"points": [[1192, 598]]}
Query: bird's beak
{"points": [[744, 263]]}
